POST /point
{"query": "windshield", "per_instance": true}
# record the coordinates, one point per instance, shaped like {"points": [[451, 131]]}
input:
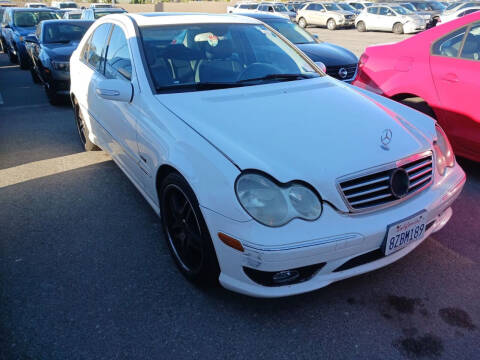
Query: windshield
{"points": [[436, 5], [331, 7], [62, 33], [248, 6], [74, 15], [346, 7], [32, 18], [292, 32], [68, 5], [401, 10], [99, 14], [280, 8], [211, 56], [452, 6], [409, 7]]}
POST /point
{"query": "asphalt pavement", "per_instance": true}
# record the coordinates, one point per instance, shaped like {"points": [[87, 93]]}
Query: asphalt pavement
{"points": [[85, 272]]}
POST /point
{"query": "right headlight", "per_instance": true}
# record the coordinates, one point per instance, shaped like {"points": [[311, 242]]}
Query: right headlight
{"points": [[273, 204], [443, 151]]}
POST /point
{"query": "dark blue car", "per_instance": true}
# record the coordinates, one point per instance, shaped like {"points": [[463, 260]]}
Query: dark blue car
{"points": [[50, 50], [16, 25], [340, 63]]}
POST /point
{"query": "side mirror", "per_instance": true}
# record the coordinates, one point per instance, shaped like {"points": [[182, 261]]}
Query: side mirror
{"points": [[31, 39], [6, 26], [322, 66], [316, 37], [113, 89]]}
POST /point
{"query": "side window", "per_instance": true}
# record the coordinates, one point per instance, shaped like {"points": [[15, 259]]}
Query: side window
{"points": [[372, 10], [471, 46], [96, 53], [118, 64], [83, 54], [450, 44], [385, 11]]}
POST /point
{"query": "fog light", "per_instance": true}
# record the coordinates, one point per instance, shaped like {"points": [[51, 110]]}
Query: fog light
{"points": [[285, 276]]}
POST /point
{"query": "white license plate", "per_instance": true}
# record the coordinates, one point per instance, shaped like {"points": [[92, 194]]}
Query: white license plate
{"points": [[404, 232]]}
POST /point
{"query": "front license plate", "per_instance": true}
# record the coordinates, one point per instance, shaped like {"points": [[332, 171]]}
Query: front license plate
{"points": [[404, 232]]}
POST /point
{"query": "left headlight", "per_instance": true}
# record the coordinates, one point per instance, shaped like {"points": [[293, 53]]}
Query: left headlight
{"points": [[274, 204], [61, 65], [443, 151]]}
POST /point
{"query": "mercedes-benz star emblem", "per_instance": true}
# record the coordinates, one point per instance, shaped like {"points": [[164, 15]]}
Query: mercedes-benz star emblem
{"points": [[386, 138], [342, 73], [399, 183]]}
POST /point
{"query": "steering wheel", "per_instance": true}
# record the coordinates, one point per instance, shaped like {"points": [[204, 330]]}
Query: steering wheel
{"points": [[257, 70]]}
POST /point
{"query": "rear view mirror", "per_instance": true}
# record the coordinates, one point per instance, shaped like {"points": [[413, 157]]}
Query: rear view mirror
{"points": [[113, 89]]}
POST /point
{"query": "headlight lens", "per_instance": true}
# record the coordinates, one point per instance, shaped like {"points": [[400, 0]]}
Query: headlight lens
{"points": [[443, 151], [273, 204], [61, 65]]}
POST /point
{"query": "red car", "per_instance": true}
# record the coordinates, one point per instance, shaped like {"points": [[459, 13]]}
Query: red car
{"points": [[437, 72]]}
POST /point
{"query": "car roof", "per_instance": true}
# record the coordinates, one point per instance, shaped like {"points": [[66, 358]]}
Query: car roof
{"points": [[149, 19], [30, 9], [98, 10], [263, 16], [67, 21]]}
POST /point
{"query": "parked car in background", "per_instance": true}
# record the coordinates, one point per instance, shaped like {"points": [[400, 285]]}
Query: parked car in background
{"points": [[324, 14], [337, 61], [295, 5], [98, 12], [50, 50], [73, 14], [322, 200], [33, 5], [425, 15], [446, 17], [453, 7], [64, 5], [101, 6], [434, 8], [348, 7], [394, 18], [360, 5], [437, 71], [276, 8], [18, 23], [242, 7]]}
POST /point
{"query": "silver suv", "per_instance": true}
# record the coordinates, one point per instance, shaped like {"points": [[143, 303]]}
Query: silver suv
{"points": [[325, 14]]}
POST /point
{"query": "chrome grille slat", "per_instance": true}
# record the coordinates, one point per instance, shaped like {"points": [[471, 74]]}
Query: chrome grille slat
{"points": [[385, 187], [372, 189]]}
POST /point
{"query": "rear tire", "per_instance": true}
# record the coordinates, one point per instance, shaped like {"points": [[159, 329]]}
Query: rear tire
{"points": [[331, 24], [302, 23], [186, 232], [361, 26], [398, 28], [83, 131]]}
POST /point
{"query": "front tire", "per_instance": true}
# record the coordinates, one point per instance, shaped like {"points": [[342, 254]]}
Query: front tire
{"points": [[302, 23], [186, 232], [34, 75], [23, 61], [398, 28], [53, 97], [361, 26], [331, 24], [83, 131], [13, 59]]}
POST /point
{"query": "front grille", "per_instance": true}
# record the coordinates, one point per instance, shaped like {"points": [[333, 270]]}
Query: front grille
{"points": [[374, 189], [333, 71]]}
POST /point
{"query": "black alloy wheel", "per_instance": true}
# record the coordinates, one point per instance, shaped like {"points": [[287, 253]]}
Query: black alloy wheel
{"points": [[186, 232]]}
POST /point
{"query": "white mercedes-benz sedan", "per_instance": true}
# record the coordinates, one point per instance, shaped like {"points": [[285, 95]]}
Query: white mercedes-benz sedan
{"points": [[269, 176]]}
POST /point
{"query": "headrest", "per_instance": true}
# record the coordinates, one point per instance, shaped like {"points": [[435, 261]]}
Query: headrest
{"points": [[222, 50]]}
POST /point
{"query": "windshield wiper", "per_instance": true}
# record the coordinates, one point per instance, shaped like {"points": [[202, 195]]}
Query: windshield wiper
{"points": [[286, 77], [59, 42], [198, 86]]}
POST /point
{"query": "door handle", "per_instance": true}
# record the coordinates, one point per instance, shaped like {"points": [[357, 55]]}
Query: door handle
{"points": [[450, 77]]}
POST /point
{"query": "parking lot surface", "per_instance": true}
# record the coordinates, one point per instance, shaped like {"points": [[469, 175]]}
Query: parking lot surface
{"points": [[85, 272]]}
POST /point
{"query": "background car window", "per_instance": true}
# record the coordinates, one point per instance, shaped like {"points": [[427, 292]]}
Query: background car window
{"points": [[95, 54], [466, 12], [372, 10], [32, 18], [471, 46], [450, 44], [62, 33], [385, 11], [118, 64]]}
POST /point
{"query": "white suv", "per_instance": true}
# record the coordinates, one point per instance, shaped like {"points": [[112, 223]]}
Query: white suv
{"points": [[324, 14], [394, 18]]}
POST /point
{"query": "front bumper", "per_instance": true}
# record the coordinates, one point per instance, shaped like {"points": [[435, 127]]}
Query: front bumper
{"points": [[333, 240], [411, 27]]}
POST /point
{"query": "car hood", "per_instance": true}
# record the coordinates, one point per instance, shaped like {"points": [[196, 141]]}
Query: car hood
{"points": [[61, 52], [314, 130], [329, 54], [23, 31], [341, 12]]}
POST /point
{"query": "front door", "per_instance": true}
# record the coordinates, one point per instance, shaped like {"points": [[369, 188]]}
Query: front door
{"points": [[455, 66]]}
